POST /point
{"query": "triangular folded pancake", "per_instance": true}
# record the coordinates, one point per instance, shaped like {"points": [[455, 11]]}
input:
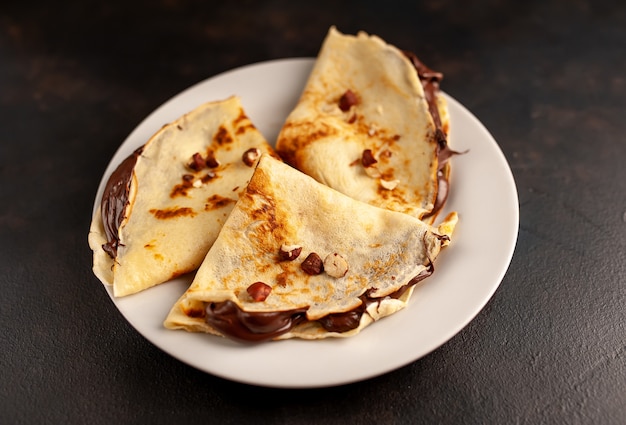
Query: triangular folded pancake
{"points": [[363, 125], [165, 204], [261, 279]]}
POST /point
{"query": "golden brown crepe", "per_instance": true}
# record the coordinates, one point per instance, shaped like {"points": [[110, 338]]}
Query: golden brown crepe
{"points": [[165, 205], [296, 258], [363, 127]]}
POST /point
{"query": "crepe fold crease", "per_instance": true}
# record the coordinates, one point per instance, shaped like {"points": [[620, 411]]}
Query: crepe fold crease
{"points": [[165, 204], [381, 254]]}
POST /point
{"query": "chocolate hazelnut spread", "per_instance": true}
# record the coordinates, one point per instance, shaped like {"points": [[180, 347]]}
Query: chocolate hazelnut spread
{"points": [[115, 200], [232, 321], [430, 83], [235, 323]]}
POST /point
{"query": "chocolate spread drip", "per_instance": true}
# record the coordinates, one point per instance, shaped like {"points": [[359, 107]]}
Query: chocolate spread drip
{"points": [[115, 200], [430, 83], [241, 325], [232, 321], [344, 322]]}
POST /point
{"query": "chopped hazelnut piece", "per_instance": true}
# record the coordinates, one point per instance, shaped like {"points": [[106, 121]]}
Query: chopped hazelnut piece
{"points": [[259, 291], [250, 156], [197, 163], [389, 184], [335, 265], [289, 252], [367, 159], [347, 100], [211, 160], [369, 163], [210, 175], [312, 264]]}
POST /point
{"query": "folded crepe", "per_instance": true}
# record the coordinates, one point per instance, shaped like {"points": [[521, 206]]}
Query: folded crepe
{"points": [[296, 258], [371, 124], [163, 207]]}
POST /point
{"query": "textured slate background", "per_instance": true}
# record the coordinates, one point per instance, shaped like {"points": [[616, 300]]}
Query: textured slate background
{"points": [[547, 78]]}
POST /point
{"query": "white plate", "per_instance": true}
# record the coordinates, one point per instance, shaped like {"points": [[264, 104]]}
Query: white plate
{"points": [[467, 273]]}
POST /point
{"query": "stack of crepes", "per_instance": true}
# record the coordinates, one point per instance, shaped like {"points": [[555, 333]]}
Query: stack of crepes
{"points": [[321, 245]]}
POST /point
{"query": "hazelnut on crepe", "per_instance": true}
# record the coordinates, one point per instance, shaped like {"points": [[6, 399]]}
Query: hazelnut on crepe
{"points": [[371, 124], [163, 206], [297, 259]]}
